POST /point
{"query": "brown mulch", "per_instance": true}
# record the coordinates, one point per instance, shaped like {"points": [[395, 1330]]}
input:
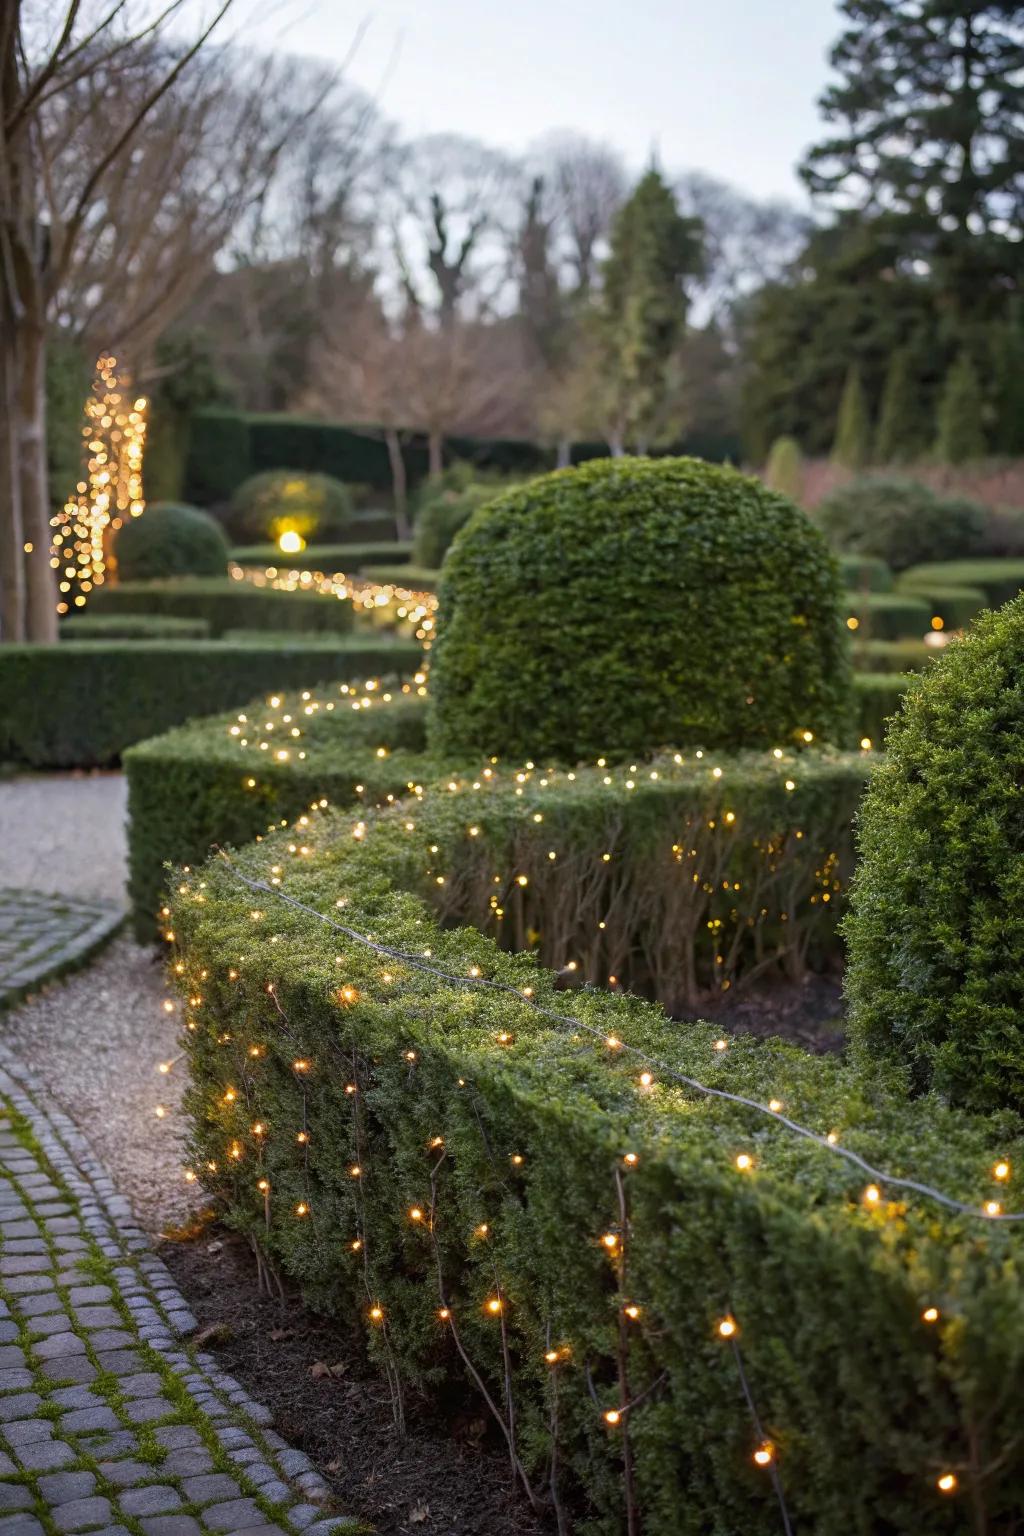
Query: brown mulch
{"points": [[808, 1013], [447, 1478]]}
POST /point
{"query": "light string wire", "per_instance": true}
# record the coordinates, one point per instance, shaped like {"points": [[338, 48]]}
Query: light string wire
{"points": [[571, 1022]]}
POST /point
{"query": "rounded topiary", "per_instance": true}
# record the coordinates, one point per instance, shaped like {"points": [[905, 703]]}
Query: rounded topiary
{"points": [[632, 603], [936, 929], [170, 540], [900, 522], [289, 500], [441, 519]]}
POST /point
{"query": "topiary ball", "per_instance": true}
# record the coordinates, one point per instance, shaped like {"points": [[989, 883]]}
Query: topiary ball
{"points": [[170, 540], [901, 522], [289, 501], [633, 603], [936, 928]]}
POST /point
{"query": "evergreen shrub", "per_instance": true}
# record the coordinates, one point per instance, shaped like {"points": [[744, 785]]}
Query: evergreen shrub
{"points": [[328, 558], [887, 615], [860, 571], [226, 604], [1000, 580], [936, 935], [268, 504], [132, 626], [900, 521], [636, 602], [170, 540]]}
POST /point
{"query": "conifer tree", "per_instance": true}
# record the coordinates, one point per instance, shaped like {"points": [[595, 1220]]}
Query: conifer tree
{"points": [[784, 471], [961, 432], [902, 431], [852, 445]]}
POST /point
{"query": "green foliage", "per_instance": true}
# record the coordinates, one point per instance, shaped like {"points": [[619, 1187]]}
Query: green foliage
{"points": [[633, 602], [960, 419], [1000, 580], [132, 626], [886, 615], [415, 577], [67, 387], [534, 1114], [937, 929], [852, 445], [901, 434], [1008, 371], [860, 571], [878, 697], [324, 557], [187, 382], [226, 604], [265, 505], [900, 521], [956, 606], [81, 703], [170, 541], [892, 655], [440, 517], [654, 249], [784, 471]]}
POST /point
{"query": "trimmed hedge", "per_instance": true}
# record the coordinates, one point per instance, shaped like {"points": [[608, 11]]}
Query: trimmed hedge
{"points": [[169, 540], [324, 557], [935, 982], [900, 521], [1000, 580], [313, 505], [858, 571], [892, 655], [132, 626], [887, 615], [632, 602], [955, 606], [443, 513], [415, 577], [81, 703], [363, 1090], [226, 604], [879, 696]]}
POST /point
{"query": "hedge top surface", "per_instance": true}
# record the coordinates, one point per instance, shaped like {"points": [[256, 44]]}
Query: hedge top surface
{"points": [[170, 540], [632, 603], [936, 931]]}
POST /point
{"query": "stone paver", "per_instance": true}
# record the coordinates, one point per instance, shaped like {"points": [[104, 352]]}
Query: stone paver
{"points": [[108, 1420], [43, 936]]}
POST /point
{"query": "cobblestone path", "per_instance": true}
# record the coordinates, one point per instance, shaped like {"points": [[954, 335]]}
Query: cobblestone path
{"points": [[41, 936], [109, 1420]]}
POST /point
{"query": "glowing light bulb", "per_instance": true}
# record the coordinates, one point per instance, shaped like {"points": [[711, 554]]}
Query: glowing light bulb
{"points": [[1001, 1170], [993, 1208], [610, 1241], [728, 1328], [415, 1214], [744, 1162], [765, 1454], [872, 1195], [291, 542], [494, 1305], [612, 1416], [947, 1483], [930, 1315], [376, 1314]]}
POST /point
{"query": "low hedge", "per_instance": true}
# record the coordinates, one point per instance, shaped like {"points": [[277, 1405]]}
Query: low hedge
{"points": [[892, 655], [132, 626], [416, 578], [879, 695], [886, 615], [953, 607], [226, 604], [1000, 580], [860, 571], [324, 557], [447, 1162], [80, 704]]}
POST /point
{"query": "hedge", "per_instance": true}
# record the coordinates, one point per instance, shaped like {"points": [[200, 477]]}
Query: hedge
{"points": [[81, 703], [633, 603], [892, 655], [1000, 580], [226, 604], [887, 615], [416, 577], [955, 607], [170, 540], [324, 557], [132, 626], [935, 982], [859, 571], [879, 695], [493, 1193]]}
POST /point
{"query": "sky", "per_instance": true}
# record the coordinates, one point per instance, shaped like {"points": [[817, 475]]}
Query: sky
{"points": [[725, 86]]}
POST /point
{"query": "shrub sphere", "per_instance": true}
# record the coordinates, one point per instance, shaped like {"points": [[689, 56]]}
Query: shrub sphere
{"points": [[635, 603], [170, 540], [289, 500]]}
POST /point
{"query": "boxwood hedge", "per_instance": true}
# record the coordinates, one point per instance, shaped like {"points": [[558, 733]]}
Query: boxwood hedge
{"points": [[887, 615], [324, 557], [132, 626], [82, 703], [225, 603], [439, 1145], [1000, 580], [636, 602]]}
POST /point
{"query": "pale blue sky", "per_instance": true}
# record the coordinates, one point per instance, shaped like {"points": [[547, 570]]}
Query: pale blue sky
{"points": [[727, 86]]}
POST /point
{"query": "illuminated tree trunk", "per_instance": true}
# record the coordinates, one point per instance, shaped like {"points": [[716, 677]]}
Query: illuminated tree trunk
{"points": [[12, 567]]}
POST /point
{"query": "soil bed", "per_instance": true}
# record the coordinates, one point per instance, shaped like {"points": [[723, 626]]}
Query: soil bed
{"points": [[449, 1476]]}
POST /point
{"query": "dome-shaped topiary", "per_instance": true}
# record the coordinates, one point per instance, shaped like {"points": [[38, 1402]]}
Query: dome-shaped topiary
{"points": [[633, 603], [290, 500], [936, 930], [170, 540]]}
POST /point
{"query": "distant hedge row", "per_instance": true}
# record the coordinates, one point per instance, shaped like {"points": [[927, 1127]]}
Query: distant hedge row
{"points": [[226, 604], [226, 447]]}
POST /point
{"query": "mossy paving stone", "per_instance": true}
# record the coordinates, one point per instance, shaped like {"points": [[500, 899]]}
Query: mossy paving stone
{"points": [[109, 1422]]}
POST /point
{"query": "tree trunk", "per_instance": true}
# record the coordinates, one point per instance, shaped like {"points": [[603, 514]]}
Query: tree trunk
{"points": [[399, 483], [40, 587], [436, 453], [564, 453], [616, 446], [12, 558]]}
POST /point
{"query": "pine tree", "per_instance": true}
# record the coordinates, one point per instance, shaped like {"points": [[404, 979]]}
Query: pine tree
{"points": [[902, 433], [961, 435], [784, 471], [654, 249], [852, 444], [1008, 368]]}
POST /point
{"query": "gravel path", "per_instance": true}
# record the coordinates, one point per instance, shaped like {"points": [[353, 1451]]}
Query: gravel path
{"points": [[64, 833]]}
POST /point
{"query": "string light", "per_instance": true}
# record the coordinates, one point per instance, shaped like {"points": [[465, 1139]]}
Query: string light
{"points": [[765, 1454], [947, 1483]]}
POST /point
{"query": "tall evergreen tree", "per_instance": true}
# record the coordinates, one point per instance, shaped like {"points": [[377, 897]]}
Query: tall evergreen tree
{"points": [[852, 446], [1008, 370], [902, 423], [961, 433], [784, 471], [654, 250], [929, 111]]}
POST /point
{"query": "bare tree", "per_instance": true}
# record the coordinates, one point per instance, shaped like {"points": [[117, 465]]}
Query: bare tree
{"points": [[746, 242], [588, 184]]}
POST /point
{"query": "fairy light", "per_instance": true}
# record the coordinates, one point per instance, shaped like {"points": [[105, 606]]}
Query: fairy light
{"points": [[108, 495], [727, 1328], [947, 1483], [765, 1454], [930, 1315], [1001, 1170]]}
